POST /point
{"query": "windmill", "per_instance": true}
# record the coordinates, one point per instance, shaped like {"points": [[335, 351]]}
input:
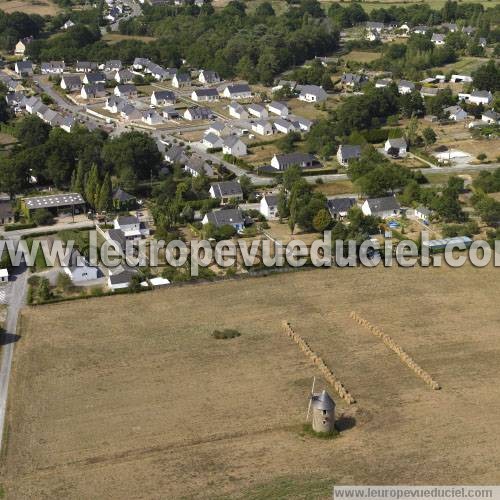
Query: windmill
{"points": [[323, 411]]}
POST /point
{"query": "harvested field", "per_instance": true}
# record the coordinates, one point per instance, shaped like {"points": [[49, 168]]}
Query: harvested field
{"points": [[142, 402], [40, 7], [361, 56]]}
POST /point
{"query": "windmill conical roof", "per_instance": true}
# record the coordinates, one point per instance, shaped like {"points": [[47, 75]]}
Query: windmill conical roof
{"points": [[323, 401]]}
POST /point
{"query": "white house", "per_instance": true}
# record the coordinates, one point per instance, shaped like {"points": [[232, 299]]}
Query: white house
{"points": [[181, 80], [237, 91], [125, 90], [396, 147], [71, 83], [384, 207], [4, 275], [405, 87], [278, 108], [79, 270], [52, 68], [423, 213], [212, 141], [258, 111], [93, 91], [200, 95], [225, 217], [269, 206], [339, 207], [23, 68], [481, 97], [262, 127], [124, 76], [347, 153], [94, 77], [284, 126], [461, 79], [68, 24], [162, 98], [234, 146], [151, 117], [284, 161], [311, 93], [22, 45], [226, 191], [208, 76], [491, 117], [113, 103], [131, 227], [456, 113], [438, 39], [236, 110], [197, 113]]}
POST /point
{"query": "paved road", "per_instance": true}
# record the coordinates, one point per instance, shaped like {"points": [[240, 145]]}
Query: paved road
{"points": [[17, 295]]}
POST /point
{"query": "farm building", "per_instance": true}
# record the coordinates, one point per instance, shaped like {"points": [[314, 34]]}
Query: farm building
{"points": [[460, 242], [56, 203]]}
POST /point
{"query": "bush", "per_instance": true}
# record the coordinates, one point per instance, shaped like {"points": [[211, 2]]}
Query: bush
{"points": [[42, 217], [19, 225], [481, 156], [34, 280], [373, 136], [225, 334]]}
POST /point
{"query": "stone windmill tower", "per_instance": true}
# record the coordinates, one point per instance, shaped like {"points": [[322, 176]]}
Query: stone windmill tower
{"points": [[323, 411]]}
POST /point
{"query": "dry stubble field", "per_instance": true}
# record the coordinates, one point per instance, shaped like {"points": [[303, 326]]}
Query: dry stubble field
{"points": [[130, 397]]}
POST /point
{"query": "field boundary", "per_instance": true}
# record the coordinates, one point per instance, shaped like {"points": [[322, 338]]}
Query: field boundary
{"points": [[318, 361], [403, 356]]}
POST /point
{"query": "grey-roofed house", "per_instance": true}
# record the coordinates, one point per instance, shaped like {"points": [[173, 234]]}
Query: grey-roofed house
{"points": [[491, 117], [455, 113], [176, 154], [438, 39], [352, 80], [339, 207], [24, 68], [284, 161], [233, 145], [71, 83], [347, 152], [374, 25], [200, 95], [237, 91], [269, 206], [85, 66], [93, 91], [207, 76], [52, 67], [162, 97], [384, 207], [405, 87], [67, 123], [278, 108], [468, 30], [124, 76], [311, 93], [112, 65], [396, 147], [225, 191], [301, 123], [14, 98], [225, 217], [212, 141], [197, 166], [420, 30], [94, 77], [181, 80], [257, 110], [123, 200], [481, 97], [198, 113], [170, 113], [284, 126], [125, 90], [236, 110], [382, 83]]}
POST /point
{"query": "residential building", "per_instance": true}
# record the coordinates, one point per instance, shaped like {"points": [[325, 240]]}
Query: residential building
{"points": [[162, 98], [455, 113], [438, 39], [284, 126], [85, 66], [237, 91], [384, 207], [212, 141], [491, 117], [262, 127], [71, 83], [225, 217], [269, 206], [181, 80], [198, 113], [125, 90], [284, 161], [131, 226], [94, 77], [200, 95], [347, 153], [258, 111], [197, 166], [79, 269], [405, 87], [226, 191], [339, 207], [23, 68], [278, 108], [93, 91], [208, 77], [22, 45], [311, 93], [52, 68], [236, 110], [234, 146], [396, 147], [151, 117]]}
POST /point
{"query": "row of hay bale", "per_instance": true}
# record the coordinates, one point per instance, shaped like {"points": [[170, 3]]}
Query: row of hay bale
{"points": [[405, 357], [320, 364]]}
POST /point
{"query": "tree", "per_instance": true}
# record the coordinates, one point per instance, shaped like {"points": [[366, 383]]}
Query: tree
{"points": [[43, 291], [321, 220], [92, 186], [105, 194], [429, 136], [487, 76], [246, 186], [411, 131], [31, 131]]}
